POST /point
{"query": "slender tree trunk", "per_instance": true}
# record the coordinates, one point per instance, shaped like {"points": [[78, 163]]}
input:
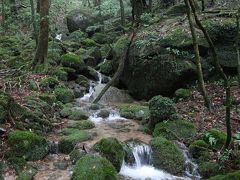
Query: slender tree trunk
{"points": [[42, 47], [150, 6], [222, 74], [203, 5], [38, 6], [201, 83], [122, 12], [119, 70], [237, 44], [3, 13], [34, 23]]}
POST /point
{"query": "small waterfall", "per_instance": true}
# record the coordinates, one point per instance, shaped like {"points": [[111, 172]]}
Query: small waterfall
{"points": [[100, 78], [114, 115], [58, 37], [191, 168], [141, 169], [87, 96]]}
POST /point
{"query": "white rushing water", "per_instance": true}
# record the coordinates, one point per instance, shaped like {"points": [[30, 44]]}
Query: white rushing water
{"points": [[113, 116], [141, 169]]}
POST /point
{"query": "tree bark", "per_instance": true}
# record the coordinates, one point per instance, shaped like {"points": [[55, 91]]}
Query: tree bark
{"points": [[42, 47], [237, 44], [222, 74], [38, 6], [34, 23], [122, 12], [119, 70], [201, 83], [3, 13]]}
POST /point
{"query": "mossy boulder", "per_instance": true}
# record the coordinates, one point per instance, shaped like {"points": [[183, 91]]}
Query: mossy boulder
{"points": [[96, 54], [74, 61], [61, 74], [48, 83], [199, 150], [72, 136], [208, 169], [112, 149], [48, 98], [28, 145], [177, 10], [175, 130], [94, 168], [182, 93], [106, 67], [161, 108], [77, 154], [89, 42], [100, 38], [27, 174], [230, 176], [64, 95], [167, 156], [134, 111], [73, 113], [215, 138], [103, 113], [81, 125]]}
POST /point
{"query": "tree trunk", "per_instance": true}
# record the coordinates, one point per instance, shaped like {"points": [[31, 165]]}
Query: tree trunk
{"points": [[34, 23], [119, 70], [237, 44], [122, 12], [222, 74], [42, 47], [38, 6], [3, 14], [201, 83], [203, 5]]}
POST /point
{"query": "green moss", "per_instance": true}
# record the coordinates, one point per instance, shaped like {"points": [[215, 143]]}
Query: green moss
{"points": [[82, 80], [74, 61], [5, 102], [112, 149], [89, 42], [77, 114], [61, 74], [176, 10], [71, 137], [94, 168], [208, 169], [183, 93], [76, 154], [100, 38], [133, 111], [28, 145], [64, 95], [174, 130], [27, 174], [230, 176], [18, 163], [219, 138], [166, 156], [161, 108], [48, 83], [106, 67], [199, 150], [48, 98], [84, 124]]}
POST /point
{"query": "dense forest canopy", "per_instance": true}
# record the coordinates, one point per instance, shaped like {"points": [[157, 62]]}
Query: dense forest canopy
{"points": [[119, 89]]}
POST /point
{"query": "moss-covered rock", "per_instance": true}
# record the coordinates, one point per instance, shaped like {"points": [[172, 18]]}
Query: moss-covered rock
{"points": [[84, 124], [161, 108], [112, 149], [96, 54], [76, 154], [17, 163], [166, 156], [215, 138], [48, 98], [106, 67], [82, 81], [74, 61], [175, 130], [27, 174], [103, 113], [61, 74], [177, 10], [94, 168], [182, 93], [77, 114], [64, 95], [199, 150], [48, 83], [89, 42], [134, 111], [100, 38], [28, 145], [230, 176], [208, 169], [71, 137]]}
